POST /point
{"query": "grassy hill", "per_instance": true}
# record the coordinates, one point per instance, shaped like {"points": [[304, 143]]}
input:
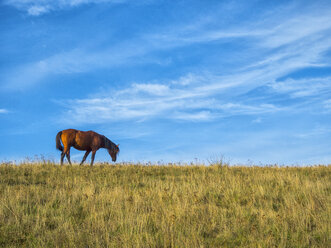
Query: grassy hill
{"points": [[46, 205]]}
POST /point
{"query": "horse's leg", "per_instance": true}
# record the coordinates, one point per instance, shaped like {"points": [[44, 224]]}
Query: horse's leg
{"points": [[62, 157], [92, 157], [85, 156], [67, 152]]}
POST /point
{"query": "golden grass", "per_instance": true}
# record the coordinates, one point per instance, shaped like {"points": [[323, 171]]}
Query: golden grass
{"points": [[46, 205]]}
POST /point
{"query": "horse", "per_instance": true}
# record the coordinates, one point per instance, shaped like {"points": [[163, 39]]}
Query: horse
{"points": [[84, 141]]}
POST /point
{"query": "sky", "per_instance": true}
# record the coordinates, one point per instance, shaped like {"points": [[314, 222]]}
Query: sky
{"points": [[248, 82]]}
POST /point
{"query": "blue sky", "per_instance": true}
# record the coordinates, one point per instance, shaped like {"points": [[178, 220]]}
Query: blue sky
{"points": [[169, 80]]}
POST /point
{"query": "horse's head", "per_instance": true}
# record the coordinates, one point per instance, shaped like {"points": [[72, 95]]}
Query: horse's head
{"points": [[113, 151]]}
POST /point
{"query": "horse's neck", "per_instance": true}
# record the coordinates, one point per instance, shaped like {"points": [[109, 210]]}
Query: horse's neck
{"points": [[107, 143], [104, 143]]}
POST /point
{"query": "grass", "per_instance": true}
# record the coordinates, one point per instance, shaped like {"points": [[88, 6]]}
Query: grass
{"points": [[46, 205]]}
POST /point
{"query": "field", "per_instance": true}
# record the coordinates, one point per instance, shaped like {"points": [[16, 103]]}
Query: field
{"points": [[126, 205]]}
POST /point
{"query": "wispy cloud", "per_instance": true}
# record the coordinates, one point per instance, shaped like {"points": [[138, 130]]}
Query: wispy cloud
{"points": [[299, 27], [296, 88], [317, 131], [193, 97], [276, 46], [77, 60], [3, 111], [40, 7], [143, 101], [153, 89], [327, 104], [38, 10]]}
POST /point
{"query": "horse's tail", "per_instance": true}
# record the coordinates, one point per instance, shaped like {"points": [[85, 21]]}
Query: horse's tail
{"points": [[58, 141]]}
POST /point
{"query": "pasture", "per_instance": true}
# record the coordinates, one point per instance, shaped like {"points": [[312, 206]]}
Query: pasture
{"points": [[127, 205]]}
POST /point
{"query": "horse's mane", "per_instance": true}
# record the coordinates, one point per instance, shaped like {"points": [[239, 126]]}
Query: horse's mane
{"points": [[109, 144]]}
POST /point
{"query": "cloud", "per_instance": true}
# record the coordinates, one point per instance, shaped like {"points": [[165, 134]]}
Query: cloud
{"points": [[298, 28], [152, 89], [242, 109], [277, 45], [195, 117], [3, 111], [317, 131], [37, 10], [270, 29], [306, 87], [40, 7], [327, 104], [188, 79], [197, 96], [78, 60], [257, 120], [176, 38], [143, 101], [274, 47]]}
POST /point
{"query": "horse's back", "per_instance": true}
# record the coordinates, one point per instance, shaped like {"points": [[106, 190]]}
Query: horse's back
{"points": [[87, 140], [81, 140]]}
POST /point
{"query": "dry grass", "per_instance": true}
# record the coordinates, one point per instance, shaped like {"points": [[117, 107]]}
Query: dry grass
{"points": [[45, 205]]}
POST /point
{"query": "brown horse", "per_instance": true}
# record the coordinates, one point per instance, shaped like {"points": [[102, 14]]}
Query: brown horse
{"points": [[84, 141]]}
